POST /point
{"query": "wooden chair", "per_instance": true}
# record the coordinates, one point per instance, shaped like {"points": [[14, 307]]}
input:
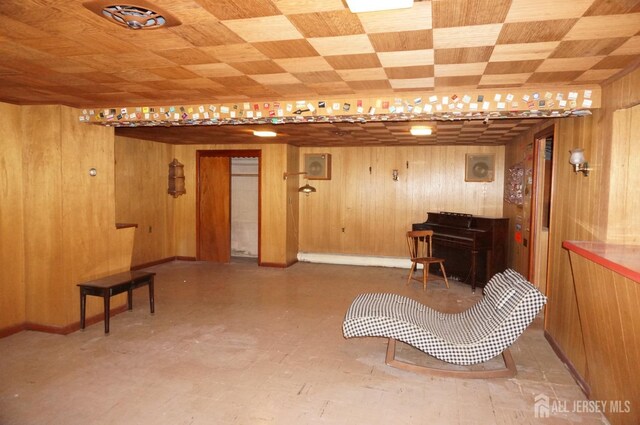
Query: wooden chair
{"points": [[421, 252]]}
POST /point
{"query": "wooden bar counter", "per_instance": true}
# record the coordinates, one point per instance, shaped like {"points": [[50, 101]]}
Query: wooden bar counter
{"points": [[607, 286]]}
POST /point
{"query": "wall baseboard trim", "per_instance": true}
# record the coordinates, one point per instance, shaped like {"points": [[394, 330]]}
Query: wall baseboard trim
{"points": [[277, 265], [354, 260], [584, 386], [60, 330], [10, 330], [162, 261]]}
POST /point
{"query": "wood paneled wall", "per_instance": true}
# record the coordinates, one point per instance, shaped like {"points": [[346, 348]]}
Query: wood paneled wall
{"points": [[275, 220], [586, 208], [68, 216], [293, 204], [517, 152], [141, 181], [362, 210], [610, 318], [624, 200], [12, 301], [42, 182]]}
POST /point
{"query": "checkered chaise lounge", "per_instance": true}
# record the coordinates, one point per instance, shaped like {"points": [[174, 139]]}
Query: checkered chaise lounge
{"points": [[509, 305]]}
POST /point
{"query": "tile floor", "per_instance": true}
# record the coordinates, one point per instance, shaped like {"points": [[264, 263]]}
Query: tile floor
{"points": [[241, 344]]}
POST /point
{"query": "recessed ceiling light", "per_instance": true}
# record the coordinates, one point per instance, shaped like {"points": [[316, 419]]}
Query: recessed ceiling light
{"points": [[359, 6], [421, 130], [261, 133]]}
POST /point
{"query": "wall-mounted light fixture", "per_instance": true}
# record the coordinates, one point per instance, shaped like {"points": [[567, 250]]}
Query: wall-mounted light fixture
{"points": [[394, 174], [176, 179], [579, 162], [306, 189]]}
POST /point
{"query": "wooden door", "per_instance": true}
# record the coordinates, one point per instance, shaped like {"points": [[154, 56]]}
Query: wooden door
{"points": [[214, 208], [540, 210]]}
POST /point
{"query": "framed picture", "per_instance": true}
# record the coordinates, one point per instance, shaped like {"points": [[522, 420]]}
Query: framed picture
{"points": [[479, 167]]}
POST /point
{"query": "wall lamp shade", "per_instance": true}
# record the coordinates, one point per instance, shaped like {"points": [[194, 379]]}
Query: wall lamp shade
{"points": [[578, 161], [359, 6], [307, 189], [176, 179]]}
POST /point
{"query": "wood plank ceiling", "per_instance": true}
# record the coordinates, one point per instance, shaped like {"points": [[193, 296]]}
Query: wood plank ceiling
{"points": [[59, 52]]}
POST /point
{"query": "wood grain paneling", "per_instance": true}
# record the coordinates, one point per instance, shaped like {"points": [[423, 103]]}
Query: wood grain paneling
{"points": [[141, 196], [12, 301], [273, 206], [586, 208], [362, 210], [293, 204], [610, 318], [568, 221], [624, 202], [42, 182], [69, 216]]}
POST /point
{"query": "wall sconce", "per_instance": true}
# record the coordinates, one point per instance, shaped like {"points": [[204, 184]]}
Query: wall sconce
{"points": [[394, 174], [306, 189], [579, 162], [176, 179]]}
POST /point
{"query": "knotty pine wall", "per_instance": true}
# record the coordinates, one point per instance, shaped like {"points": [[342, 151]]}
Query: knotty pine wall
{"points": [[367, 213], [62, 231]]}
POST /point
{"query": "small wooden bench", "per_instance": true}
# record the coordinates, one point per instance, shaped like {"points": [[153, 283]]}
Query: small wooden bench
{"points": [[115, 284]]}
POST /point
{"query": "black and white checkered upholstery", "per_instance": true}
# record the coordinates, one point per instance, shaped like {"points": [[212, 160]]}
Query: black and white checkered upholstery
{"points": [[473, 336]]}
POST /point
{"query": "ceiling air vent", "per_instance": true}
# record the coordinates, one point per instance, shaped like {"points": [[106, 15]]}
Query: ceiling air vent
{"points": [[136, 15]]}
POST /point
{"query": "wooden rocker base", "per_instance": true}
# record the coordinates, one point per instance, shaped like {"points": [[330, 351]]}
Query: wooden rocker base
{"points": [[508, 372]]}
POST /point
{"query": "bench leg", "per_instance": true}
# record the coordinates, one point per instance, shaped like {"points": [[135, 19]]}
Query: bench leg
{"points": [[83, 304], [107, 307], [130, 298], [151, 302]]}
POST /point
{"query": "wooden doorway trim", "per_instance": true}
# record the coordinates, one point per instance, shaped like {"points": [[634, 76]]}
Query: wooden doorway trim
{"points": [[235, 153], [539, 142]]}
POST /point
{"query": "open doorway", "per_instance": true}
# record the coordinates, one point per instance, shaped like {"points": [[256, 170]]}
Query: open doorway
{"points": [[244, 207], [227, 205]]}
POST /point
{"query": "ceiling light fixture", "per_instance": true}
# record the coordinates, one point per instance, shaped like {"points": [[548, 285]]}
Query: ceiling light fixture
{"points": [[421, 131], [264, 133], [359, 6], [135, 15]]}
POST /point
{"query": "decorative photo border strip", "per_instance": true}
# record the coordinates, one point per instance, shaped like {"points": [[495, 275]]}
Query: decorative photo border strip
{"points": [[482, 105]]}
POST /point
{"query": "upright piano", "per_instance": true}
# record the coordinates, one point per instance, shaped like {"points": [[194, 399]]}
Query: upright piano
{"points": [[474, 248]]}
